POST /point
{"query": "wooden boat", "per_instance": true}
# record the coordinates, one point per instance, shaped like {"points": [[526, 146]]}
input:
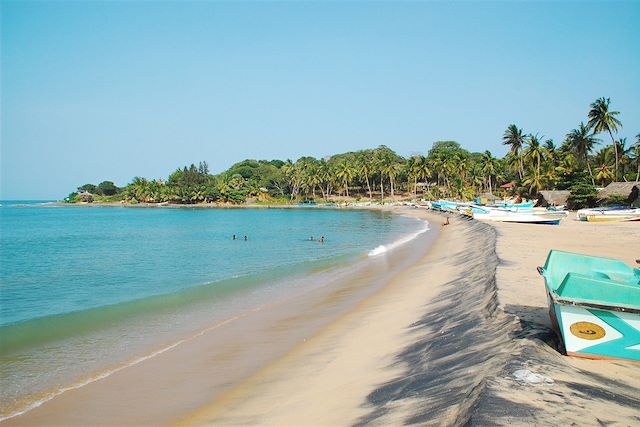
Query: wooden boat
{"points": [[594, 305], [531, 216], [608, 214]]}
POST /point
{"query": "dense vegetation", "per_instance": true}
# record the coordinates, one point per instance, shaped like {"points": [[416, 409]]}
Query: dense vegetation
{"points": [[533, 163]]}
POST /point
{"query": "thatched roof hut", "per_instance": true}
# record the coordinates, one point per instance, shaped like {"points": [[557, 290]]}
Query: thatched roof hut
{"points": [[630, 190], [85, 196], [553, 198]]}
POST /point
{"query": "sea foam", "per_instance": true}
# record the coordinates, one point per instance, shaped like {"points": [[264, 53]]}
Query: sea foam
{"points": [[401, 241]]}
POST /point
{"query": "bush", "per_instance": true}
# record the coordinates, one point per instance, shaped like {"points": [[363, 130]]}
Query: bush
{"points": [[583, 195]]}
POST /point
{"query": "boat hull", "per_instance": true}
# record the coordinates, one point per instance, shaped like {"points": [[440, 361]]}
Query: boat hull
{"points": [[596, 333], [521, 217], [608, 215]]}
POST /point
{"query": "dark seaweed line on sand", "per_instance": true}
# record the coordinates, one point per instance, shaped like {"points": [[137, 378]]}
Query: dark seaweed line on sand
{"points": [[464, 338]]}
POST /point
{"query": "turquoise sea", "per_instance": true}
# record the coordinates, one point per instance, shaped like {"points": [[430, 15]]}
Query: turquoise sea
{"points": [[86, 288]]}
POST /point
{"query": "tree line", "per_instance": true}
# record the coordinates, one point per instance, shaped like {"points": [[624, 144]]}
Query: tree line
{"points": [[533, 163]]}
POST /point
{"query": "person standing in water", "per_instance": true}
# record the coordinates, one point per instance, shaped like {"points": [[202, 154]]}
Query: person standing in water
{"points": [[322, 239], [233, 237], [245, 238]]}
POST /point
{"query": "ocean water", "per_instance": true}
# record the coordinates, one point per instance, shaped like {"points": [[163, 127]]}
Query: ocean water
{"points": [[86, 291]]}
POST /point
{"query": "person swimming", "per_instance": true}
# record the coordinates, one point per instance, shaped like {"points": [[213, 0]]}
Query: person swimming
{"points": [[311, 239]]}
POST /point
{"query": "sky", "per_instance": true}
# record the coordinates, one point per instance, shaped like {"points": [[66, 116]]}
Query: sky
{"points": [[93, 91]]}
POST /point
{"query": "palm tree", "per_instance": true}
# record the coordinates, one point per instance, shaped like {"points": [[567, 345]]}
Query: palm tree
{"points": [[421, 170], [345, 174], [636, 156], [581, 141], [392, 170], [514, 137], [488, 168], [535, 154], [603, 120], [365, 168], [604, 173]]}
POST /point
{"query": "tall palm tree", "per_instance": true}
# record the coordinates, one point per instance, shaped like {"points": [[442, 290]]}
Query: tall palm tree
{"points": [[535, 152], [365, 168], [422, 170], [636, 156], [514, 137], [603, 120], [345, 174], [581, 141], [392, 170], [488, 168]]}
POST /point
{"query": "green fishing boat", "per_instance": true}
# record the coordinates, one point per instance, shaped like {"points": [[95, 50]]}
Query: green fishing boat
{"points": [[594, 304]]}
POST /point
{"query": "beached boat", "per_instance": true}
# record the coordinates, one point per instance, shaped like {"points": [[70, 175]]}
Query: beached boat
{"points": [[608, 214], [531, 216], [594, 304]]}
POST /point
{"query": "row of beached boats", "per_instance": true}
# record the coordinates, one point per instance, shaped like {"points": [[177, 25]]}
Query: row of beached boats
{"points": [[522, 212], [526, 212]]}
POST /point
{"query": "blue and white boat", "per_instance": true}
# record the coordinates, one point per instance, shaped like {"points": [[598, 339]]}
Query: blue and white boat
{"points": [[529, 216], [594, 305]]}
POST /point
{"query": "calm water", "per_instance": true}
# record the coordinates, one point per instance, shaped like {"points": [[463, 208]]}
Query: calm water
{"points": [[82, 288]]}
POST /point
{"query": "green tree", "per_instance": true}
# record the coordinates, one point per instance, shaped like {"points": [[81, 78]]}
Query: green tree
{"points": [[603, 120], [344, 173], [108, 188], [489, 168], [515, 139], [581, 141]]}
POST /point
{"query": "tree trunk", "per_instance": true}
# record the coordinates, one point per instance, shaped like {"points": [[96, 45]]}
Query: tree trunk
{"points": [[381, 190], [415, 186], [615, 149], [593, 182], [368, 186]]}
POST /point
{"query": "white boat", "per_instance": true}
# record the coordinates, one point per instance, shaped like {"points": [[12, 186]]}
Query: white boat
{"points": [[482, 213], [608, 214]]}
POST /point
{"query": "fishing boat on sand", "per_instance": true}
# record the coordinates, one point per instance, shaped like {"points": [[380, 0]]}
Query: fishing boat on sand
{"points": [[594, 305], [531, 216], [609, 214]]}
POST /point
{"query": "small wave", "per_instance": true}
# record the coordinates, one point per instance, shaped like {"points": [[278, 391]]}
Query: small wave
{"points": [[401, 241]]}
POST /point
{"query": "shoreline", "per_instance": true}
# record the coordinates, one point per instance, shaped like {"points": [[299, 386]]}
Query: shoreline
{"points": [[312, 308], [437, 344], [411, 354], [441, 363]]}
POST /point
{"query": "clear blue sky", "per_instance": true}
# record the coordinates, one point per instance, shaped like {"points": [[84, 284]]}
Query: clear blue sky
{"points": [[95, 91]]}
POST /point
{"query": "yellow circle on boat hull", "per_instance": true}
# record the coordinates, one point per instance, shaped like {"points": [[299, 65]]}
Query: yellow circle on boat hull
{"points": [[587, 330]]}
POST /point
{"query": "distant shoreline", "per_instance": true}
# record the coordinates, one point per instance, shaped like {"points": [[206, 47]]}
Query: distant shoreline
{"points": [[358, 205]]}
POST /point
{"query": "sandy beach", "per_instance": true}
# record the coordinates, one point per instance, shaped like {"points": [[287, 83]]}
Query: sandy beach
{"points": [[436, 344], [439, 345]]}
